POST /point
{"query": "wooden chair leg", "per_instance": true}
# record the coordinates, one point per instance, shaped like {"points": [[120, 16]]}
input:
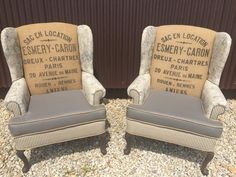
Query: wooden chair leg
{"points": [[103, 141], [208, 158], [107, 124], [22, 156], [129, 142]]}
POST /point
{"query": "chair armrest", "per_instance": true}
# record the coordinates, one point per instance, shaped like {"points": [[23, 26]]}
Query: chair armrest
{"points": [[214, 102], [139, 88], [18, 97], [93, 89]]}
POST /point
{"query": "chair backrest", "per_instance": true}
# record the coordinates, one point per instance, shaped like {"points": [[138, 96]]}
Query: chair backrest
{"points": [[51, 56], [181, 58]]}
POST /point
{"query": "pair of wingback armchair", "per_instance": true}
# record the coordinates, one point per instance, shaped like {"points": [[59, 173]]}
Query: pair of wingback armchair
{"points": [[46, 118]]}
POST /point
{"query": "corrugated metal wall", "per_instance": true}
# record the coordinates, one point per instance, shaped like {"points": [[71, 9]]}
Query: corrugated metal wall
{"points": [[117, 27]]}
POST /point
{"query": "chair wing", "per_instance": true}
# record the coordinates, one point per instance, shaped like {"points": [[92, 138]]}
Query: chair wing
{"points": [[94, 91], [147, 44], [86, 48], [17, 98], [220, 54], [214, 102], [139, 88], [11, 49]]}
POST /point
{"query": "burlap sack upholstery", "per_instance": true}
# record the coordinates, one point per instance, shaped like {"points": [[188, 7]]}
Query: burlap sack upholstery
{"points": [[181, 58], [50, 54]]}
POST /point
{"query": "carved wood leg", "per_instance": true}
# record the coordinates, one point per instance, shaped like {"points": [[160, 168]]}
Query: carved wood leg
{"points": [[103, 142], [208, 158], [26, 166], [129, 141], [107, 124]]}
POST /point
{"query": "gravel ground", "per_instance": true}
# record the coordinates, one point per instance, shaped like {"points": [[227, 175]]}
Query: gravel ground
{"points": [[147, 158]]}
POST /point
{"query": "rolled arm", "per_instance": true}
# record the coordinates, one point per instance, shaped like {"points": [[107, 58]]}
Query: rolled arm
{"points": [[93, 89], [139, 88], [213, 100], [18, 97]]}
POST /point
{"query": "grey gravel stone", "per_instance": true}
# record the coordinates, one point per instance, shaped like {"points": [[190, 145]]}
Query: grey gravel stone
{"points": [[147, 158]]}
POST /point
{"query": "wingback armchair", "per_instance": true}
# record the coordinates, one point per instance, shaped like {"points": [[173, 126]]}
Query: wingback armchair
{"points": [[180, 119], [50, 118]]}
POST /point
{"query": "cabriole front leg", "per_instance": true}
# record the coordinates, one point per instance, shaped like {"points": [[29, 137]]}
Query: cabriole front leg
{"points": [[129, 142], [107, 124], [103, 141], [22, 156], [208, 158]]}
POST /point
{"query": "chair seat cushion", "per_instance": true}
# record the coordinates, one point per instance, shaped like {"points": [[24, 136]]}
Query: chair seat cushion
{"points": [[175, 111], [59, 110]]}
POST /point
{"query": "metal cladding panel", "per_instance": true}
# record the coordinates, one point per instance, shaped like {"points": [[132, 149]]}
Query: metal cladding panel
{"points": [[117, 27]]}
